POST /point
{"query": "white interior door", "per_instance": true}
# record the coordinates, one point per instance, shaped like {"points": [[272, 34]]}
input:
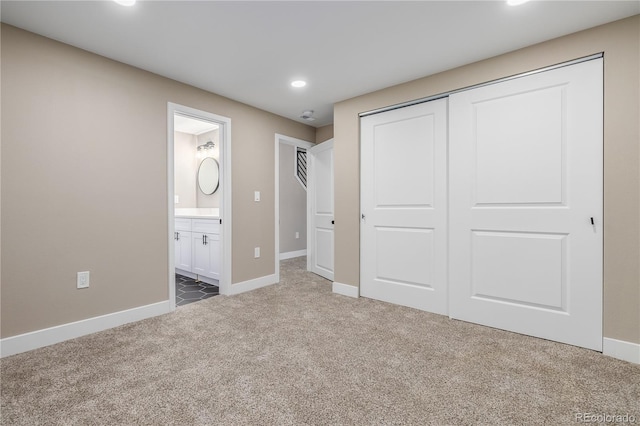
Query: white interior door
{"points": [[525, 185], [404, 206], [320, 206]]}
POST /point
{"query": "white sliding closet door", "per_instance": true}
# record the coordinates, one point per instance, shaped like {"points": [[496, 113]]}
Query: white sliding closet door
{"points": [[525, 185], [404, 206]]}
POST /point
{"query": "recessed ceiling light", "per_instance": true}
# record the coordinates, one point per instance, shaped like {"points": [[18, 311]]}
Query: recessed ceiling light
{"points": [[299, 83], [516, 2], [125, 2]]}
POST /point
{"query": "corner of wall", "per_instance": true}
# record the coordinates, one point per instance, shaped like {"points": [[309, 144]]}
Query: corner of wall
{"points": [[324, 133]]}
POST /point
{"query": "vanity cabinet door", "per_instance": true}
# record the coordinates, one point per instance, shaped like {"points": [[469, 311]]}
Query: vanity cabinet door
{"points": [[200, 254], [183, 247], [214, 256], [206, 254]]}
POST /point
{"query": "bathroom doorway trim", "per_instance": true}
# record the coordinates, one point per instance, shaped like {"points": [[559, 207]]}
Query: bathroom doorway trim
{"points": [[225, 199]]}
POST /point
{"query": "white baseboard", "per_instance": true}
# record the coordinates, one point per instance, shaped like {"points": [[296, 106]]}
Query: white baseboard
{"points": [[345, 289], [620, 349], [292, 254], [49, 336], [253, 284]]}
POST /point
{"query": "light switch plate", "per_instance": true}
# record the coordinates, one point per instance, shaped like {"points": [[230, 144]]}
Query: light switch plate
{"points": [[256, 253], [257, 196], [83, 279]]}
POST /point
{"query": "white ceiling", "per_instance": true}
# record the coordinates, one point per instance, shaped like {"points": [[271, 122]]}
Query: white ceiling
{"points": [[251, 51]]}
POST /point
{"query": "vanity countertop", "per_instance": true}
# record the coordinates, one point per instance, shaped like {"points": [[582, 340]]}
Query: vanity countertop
{"points": [[198, 213]]}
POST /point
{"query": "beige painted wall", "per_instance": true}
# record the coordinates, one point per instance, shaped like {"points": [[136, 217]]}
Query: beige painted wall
{"points": [[84, 182], [620, 42], [293, 204], [202, 199], [324, 133], [185, 169]]}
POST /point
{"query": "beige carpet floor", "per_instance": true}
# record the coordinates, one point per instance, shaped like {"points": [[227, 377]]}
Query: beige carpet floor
{"points": [[295, 353]]}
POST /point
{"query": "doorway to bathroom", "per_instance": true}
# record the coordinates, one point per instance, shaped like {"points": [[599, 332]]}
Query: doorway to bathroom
{"points": [[199, 204]]}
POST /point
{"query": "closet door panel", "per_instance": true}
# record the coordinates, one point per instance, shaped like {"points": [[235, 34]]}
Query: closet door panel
{"points": [[525, 187], [404, 206]]}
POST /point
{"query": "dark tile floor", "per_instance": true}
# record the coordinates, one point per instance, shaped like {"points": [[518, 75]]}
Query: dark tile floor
{"points": [[188, 290]]}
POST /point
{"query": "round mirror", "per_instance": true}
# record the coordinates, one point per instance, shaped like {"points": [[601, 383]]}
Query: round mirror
{"points": [[208, 176]]}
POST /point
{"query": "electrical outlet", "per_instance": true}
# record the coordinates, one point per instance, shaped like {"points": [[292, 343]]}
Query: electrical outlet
{"points": [[297, 235], [83, 279], [256, 196], [256, 253], [177, 199]]}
